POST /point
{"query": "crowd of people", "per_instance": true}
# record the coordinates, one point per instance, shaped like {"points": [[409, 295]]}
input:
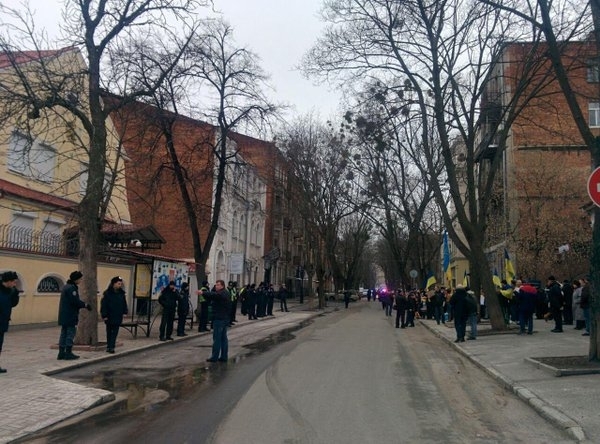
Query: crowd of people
{"points": [[566, 303]]}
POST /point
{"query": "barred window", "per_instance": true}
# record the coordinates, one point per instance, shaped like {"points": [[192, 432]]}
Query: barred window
{"points": [[49, 284]]}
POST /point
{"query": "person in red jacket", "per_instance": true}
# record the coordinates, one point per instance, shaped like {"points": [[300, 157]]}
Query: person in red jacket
{"points": [[526, 297]]}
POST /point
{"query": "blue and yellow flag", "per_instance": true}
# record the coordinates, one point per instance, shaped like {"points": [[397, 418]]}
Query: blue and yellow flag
{"points": [[509, 269], [496, 279], [431, 280], [465, 281], [446, 263]]}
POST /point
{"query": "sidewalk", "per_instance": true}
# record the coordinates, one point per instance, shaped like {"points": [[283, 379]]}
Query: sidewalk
{"points": [[31, 399], [568, 402]]}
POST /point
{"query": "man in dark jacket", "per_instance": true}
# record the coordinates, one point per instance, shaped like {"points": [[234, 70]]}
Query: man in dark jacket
{"points": [[556, 302], [202, 309], [9, 298], [68, 315], [458, 301], [401, 306], [113, 307], [221, 303], [282, 294], [183, 308], [168, 300]]}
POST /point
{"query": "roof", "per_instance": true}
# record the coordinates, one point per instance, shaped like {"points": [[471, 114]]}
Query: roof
{"points": [[125, 235], [17, 58], [139, 257], [9, 188]]}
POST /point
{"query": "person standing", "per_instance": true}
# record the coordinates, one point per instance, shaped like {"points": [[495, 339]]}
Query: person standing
{"points": [[567, 291], [282, 294], [168, 300], [472, 314], [68, 315], [584, 303], [113, 307], [9, 298], [270, 299], [347, 299], [401, 307], [578, 315], [232, 288], [555, 301], [183, 308], [458, 301], [250, 295], [437, 302], [221, 302], [203, 309], [527, 296]]}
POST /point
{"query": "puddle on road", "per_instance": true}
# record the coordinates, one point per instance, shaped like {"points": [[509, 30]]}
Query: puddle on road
{"points": [[146, 388]]}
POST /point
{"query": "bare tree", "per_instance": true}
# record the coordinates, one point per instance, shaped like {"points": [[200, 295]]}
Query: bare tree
{"points": [[447, 52], [100, 30], [318, 159], [223, 84], [558, 30]]}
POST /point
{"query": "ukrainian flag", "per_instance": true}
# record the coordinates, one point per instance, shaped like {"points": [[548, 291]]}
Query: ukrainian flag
{"points": [[431, 280], [496, 279], [446, 263], [465, 281], [509, 269]]}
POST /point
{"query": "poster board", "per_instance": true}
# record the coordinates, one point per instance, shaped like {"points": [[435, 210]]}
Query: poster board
{"points": [[163, 272]]}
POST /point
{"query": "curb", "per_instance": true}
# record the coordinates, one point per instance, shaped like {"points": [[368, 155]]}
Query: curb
{"points": [[557, 418]]}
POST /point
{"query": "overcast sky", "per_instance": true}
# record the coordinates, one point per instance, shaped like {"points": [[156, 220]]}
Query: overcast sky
{"points": [[279, 31]]}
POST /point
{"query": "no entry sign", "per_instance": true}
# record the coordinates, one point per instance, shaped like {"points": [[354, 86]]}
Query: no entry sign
{"points": [[593, 186]]}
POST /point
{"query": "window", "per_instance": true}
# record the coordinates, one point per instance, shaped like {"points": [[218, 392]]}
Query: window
{"points": [[34, 159], [49, 284], [593, 70], [594, 108], [21, 231], [50, 237]]}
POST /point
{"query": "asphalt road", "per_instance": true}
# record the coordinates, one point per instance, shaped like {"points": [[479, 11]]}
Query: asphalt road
{"points": [[349, 377]]}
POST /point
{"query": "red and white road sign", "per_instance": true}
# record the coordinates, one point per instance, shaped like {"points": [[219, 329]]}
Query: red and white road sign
{"points": [[593, 186]]}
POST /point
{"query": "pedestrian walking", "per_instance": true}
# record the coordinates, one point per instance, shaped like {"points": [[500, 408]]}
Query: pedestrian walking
{"points": [[9, 298], [183, 308], [221, 302], [282, 294], [168, 300], [68, 315], [401, 306], [113, 307]]}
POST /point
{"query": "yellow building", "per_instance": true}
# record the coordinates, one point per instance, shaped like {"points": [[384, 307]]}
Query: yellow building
{"points": [[43, 175]]}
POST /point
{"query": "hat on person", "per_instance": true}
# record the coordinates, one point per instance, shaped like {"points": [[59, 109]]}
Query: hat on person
{"points": [[171, 282], [75, 275], [8, 276], [116, 279], [551, 278]]}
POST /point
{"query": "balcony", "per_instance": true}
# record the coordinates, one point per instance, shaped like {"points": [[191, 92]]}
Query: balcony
{"points": [[33, 241]]}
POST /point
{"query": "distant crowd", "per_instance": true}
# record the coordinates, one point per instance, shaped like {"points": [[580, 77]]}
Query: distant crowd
{"points": [[566, 303]]}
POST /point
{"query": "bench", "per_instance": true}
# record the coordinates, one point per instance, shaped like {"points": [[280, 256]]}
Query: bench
{"points": [[131, 327]]}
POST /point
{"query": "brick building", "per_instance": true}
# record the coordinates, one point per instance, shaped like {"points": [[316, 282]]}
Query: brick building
{"points": [[541, 187]]}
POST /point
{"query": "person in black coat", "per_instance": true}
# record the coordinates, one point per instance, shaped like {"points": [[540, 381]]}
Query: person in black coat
{"points": [[9, 298], [113, 307], [282, 294], [556, 302], [183, 308], [68, 315], [168, 300], [401, 303], [458, 301]]}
